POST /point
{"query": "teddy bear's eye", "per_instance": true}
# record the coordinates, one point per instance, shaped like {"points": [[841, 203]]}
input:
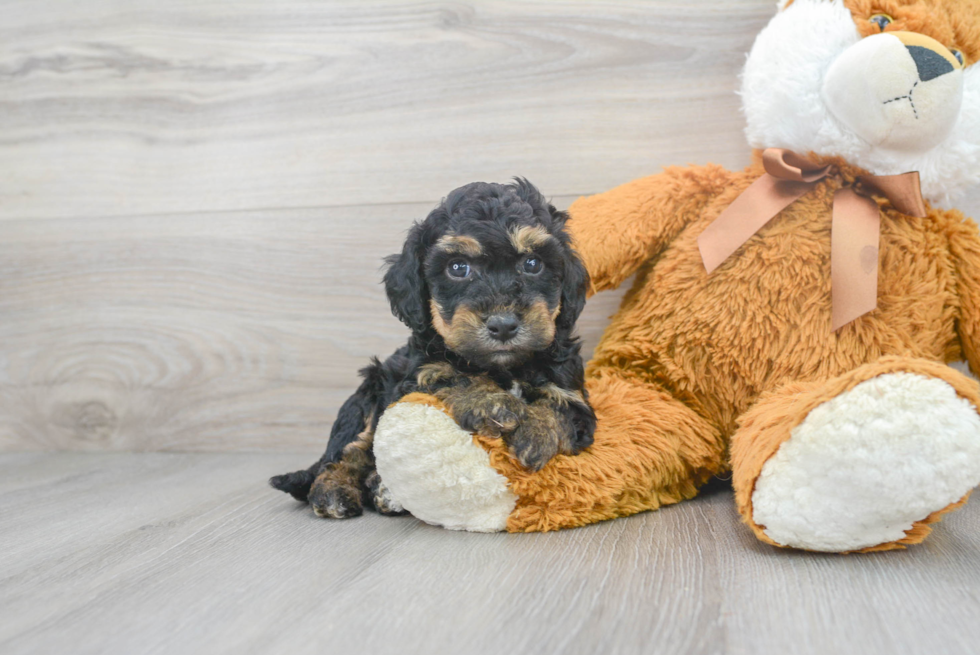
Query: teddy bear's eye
{"points": [[958, 54], [881, 20]]}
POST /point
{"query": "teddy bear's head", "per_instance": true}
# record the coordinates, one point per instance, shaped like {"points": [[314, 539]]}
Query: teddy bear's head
{"points": [[889, 85]]}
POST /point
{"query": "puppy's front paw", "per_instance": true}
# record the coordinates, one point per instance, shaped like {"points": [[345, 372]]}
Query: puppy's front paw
{"points": [[335, 499], [534, 447], [541, 435], [493, 415]]}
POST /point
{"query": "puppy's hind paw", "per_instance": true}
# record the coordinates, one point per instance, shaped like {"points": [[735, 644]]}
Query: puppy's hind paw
{"points": [[381, 497], [335, 501]]}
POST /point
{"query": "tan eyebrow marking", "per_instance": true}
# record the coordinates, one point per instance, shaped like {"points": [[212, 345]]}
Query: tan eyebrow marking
{"points": [[527, 238], [462, 245]]}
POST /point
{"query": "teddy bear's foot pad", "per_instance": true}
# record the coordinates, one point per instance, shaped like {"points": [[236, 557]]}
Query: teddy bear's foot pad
{"points": [[434, 470], [862, 468]]}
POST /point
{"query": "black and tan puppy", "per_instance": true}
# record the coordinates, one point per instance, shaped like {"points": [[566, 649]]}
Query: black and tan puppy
{"points": [[490, 287]]}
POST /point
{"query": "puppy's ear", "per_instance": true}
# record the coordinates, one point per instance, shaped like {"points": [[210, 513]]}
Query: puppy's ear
{"points": [[404, 282], [575, 278]]}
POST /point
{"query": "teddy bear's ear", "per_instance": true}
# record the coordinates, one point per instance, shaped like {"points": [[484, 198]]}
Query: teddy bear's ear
{"points": [[404, 282], [575, 278]]}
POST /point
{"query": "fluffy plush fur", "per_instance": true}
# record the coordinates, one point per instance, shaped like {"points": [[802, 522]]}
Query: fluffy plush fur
{"points": [[802, 43], [435, 468], [702, 374], [909, 434], [490, 287]]}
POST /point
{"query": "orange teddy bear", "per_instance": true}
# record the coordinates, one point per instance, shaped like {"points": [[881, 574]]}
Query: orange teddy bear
{"points": [[810, 362]]}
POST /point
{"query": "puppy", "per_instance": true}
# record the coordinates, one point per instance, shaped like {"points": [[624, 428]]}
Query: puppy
{"points": [[491, 288]]}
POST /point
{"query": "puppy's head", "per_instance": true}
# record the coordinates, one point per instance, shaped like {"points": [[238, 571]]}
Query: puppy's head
{"points": [[492, 271]]}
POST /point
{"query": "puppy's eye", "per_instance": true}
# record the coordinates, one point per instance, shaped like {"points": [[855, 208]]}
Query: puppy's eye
{"points": [[958, 54], [533, 265], [881, 20], [458, 269]]}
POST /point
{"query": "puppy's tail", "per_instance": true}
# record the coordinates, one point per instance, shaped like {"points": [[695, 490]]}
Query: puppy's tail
{"points": [[297, 484]]}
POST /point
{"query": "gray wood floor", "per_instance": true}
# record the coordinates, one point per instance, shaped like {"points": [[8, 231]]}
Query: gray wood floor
{"points": [[195, 198], [192, 553]]}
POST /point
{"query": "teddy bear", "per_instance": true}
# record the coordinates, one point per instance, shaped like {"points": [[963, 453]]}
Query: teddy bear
{"points": [[789, 324]]}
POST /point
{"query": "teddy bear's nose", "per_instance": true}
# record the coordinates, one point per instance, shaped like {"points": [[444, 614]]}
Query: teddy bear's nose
{"points": [[929, 63], [932, 59]]}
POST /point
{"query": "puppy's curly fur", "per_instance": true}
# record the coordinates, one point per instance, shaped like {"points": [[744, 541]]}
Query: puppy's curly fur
{"points": [[491, 288]]}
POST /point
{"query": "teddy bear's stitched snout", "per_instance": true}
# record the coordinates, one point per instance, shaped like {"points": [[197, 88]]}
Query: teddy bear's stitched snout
{"points": [[931, 61], [896, 89], [907, 96]]}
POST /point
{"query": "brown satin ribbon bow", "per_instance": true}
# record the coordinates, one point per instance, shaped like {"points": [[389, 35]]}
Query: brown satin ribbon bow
{"points": [[854, 229]]}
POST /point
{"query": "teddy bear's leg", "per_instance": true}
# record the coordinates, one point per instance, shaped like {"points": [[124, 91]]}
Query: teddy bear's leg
{"points": [[861, 462], [649, 450], [434, 469]]}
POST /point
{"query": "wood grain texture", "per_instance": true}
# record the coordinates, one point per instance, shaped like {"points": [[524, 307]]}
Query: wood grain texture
{"points": [[184, 106], [200, 333], [195, 197], [191, 553]]}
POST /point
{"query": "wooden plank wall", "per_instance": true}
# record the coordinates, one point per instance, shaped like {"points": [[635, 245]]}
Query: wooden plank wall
{"points": [[195, 197]]}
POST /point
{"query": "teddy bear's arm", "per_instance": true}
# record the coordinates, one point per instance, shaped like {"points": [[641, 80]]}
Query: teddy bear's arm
{"points": [[616, 231], [965, 246]]}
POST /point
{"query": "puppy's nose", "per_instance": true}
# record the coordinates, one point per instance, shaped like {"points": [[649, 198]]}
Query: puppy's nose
{"points": [[503, 327]]}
